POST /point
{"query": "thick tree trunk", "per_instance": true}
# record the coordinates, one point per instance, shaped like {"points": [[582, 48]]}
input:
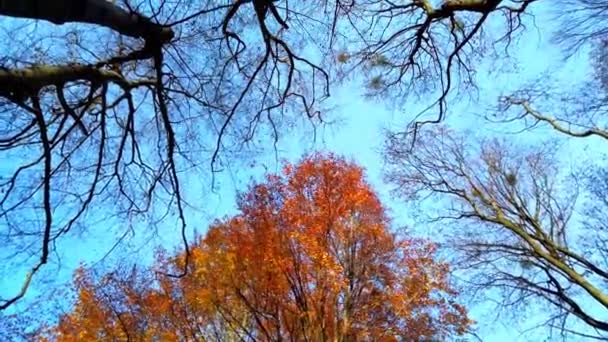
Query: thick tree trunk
{"points": [[97, 12]]}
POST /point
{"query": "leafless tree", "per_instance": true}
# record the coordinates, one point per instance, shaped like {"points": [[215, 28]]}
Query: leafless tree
{"points": [[518, 222], [514, 223]]}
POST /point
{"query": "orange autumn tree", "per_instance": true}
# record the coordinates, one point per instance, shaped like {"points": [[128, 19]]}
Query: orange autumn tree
{"points": [[310, 257]]}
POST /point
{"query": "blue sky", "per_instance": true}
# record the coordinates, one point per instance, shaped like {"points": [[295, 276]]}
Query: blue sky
{"points": [[357, 134]]}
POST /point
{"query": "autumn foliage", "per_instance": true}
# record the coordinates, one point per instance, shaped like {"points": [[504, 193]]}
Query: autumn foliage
{"points": [[310, 257]]}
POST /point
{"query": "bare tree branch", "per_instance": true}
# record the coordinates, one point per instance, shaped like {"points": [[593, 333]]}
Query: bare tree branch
{"points": [[514, 227]]}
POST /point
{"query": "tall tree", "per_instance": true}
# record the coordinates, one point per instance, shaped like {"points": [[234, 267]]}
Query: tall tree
{"points": [[310, 258]]}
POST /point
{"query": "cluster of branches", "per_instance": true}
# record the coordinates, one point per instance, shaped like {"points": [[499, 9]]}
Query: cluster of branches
{"points": [[523, 227], [120, 118], [517, 233]]}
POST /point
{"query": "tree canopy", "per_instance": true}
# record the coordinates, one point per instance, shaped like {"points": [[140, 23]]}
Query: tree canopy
{"points": [[309, 257]]}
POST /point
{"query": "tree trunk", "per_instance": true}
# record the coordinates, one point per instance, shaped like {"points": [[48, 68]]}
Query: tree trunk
{"points": [[97, 12]]}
